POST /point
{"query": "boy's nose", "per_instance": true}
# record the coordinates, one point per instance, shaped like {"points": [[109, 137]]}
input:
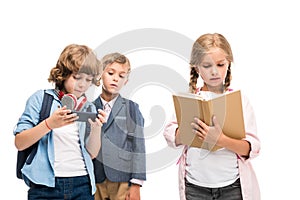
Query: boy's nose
{"points": [[115, 78]]}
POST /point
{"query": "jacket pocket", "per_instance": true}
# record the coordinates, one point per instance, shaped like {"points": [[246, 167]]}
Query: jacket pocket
{"points": [[125, 155], [120, 122]]}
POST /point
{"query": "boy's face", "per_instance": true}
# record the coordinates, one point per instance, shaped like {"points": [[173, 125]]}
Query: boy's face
{"points": [[114, 77], [78, 84]]}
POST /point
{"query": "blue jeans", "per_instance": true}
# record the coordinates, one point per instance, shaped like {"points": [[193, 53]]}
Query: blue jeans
{"points": [[69, 188], [230, 192]]}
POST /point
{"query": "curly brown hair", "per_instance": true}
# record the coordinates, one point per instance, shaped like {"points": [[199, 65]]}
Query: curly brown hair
{"points": [[201, 46], [75, 59]]}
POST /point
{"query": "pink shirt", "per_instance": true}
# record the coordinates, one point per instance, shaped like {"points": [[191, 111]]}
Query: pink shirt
{"points": [[249, 183]]}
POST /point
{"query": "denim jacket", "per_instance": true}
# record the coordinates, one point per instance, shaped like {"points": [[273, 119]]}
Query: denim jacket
{"points": [[41, 169]]}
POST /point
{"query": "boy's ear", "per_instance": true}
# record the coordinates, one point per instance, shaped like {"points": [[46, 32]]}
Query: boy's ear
{"points": [[126, 81], [127, 78], [100, 76], [98, 79]]}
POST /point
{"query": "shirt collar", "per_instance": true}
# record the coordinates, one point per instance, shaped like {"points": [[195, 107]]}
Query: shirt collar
{"points": [[110, 103]]}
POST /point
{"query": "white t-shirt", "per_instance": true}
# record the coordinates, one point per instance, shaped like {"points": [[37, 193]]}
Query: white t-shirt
{"points": [[211, 169], [68, 156]]}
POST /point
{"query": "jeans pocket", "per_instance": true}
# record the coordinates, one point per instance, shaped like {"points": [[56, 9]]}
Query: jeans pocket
{"points": [[236, 184]]}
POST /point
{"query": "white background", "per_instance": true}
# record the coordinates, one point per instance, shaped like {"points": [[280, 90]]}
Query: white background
{"points": [[264, 36]]}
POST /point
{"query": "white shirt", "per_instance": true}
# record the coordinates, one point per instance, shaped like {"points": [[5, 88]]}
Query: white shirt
{"points": [[110, 103], [211, 169], [68, 157]]}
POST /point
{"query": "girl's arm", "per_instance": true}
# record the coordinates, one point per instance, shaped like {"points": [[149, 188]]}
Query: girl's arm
{"points": [[177, 138], [240, 147], [215, 135], [94, 140], [171, 133]]}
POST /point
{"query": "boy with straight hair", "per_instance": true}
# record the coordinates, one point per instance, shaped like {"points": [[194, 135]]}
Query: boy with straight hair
{"points": [[120, 167]]}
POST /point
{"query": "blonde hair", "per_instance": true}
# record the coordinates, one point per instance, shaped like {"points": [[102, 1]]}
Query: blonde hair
{"points": [[75, 59], [115, 57], [200, 48]]}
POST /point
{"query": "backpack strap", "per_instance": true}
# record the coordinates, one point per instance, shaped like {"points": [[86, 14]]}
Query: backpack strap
{"points": [[130, 119], [44, 114], [46, 106]]}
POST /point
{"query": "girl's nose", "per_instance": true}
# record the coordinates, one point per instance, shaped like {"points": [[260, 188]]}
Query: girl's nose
{"points": [[214, 70]]}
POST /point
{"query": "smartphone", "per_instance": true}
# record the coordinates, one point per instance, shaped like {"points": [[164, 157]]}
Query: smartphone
{"points": [[84, 116]]}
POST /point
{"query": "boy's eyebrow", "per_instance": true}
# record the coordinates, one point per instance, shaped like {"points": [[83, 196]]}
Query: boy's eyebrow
{"points": [[112, 69]]}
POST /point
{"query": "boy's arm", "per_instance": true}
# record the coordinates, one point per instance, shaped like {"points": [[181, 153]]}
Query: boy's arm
{"points": [[29, 130], [94, 139], [133, 193], [139, 156]]}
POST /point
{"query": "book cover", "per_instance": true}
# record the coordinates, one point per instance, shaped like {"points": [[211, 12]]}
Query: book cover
{"points": [[226, 107]]}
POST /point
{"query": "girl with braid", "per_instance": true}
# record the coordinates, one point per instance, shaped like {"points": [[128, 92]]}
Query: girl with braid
{"points": [[227, 172]]}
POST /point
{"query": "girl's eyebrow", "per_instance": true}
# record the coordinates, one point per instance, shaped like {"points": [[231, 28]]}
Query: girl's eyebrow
{"points": [[210, 62], [206, 63], [222, 60]]}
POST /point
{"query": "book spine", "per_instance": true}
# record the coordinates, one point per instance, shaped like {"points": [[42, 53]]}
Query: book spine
{"points": [[207, 112], [207, 108]]}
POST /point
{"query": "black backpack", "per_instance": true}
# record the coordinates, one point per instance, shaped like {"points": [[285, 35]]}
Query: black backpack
{"points": [[28, 154]]}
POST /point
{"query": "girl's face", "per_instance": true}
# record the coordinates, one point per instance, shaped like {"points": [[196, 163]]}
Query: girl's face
{"points": [[78, 84], [213, 69], [114, 77]]}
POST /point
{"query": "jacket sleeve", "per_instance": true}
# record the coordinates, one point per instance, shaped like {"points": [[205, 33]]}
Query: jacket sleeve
{"points": [[30, 116], [250, 128], [139, 154], [170, 130]]}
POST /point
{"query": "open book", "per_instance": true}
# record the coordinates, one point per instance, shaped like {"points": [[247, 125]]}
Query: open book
{"points": [[226, 107]]}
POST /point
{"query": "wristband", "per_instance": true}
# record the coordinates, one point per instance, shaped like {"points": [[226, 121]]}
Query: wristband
{"points": [[47, 125]]}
